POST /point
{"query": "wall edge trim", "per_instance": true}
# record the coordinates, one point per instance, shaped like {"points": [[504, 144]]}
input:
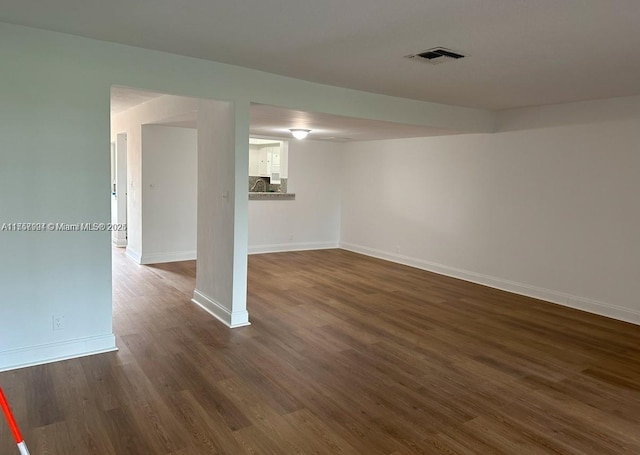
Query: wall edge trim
{"points": [[170, 256], [133, 254], [548, 295], [285, 247], [215, 309], [56, 351]]}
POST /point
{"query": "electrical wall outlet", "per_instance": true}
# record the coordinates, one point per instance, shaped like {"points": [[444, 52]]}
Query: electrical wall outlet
{"points": [[58, 321], [291, 237]]}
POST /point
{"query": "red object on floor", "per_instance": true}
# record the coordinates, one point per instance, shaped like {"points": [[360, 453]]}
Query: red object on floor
{"points": [[12, 424]]}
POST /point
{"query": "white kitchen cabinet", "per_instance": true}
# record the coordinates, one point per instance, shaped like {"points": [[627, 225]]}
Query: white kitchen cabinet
{"points": [[266, 159], [259, 161], [254, 159]]}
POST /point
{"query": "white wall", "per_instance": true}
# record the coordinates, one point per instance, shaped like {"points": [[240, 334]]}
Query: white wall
{"points": [[550, 212], [312, 220], [169, 194], [131, 122], [54, 168]]}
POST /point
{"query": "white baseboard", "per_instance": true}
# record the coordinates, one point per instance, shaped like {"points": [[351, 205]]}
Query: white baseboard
{"points": [[284, 247], [54, 352], [232, 320], [172, 256], [120, 243], [133, 254], [560, 298]]}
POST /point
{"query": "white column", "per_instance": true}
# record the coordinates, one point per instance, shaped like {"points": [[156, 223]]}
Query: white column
{"points": [[223, 150]]}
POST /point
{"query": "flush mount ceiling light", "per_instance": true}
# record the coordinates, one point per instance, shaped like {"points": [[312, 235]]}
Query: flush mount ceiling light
{"points": [[299, 133]]}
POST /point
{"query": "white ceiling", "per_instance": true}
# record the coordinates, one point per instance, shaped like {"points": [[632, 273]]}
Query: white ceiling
{"points": [[519, 52]]}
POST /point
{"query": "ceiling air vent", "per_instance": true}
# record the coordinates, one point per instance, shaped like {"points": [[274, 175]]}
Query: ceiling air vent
{"points": [[436, 55]]}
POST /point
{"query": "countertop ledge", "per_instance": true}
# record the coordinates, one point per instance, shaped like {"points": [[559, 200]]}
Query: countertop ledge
{"points": [[271, 196]]}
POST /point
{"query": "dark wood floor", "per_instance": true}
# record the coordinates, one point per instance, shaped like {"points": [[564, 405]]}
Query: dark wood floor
{"points": [[346, 355]]}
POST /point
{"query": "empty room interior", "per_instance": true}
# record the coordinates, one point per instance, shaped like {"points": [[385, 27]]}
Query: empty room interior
{"points": [[320, 227]]}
